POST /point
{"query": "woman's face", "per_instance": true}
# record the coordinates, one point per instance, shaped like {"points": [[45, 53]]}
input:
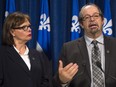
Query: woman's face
{"points": [[22, 33]]}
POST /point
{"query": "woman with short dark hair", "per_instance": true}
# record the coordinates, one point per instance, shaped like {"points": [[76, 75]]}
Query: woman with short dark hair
{"points": [[19, 65]]}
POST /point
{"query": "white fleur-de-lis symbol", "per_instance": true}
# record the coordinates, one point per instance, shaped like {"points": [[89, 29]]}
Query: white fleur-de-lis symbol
{"points": [[44, 22], [107, 26], [75, 25], [6, 13]]}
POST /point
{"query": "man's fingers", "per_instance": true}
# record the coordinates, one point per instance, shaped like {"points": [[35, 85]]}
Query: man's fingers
{"points": [[60, 65], [66, 73], [73, 70], [67, 67]]}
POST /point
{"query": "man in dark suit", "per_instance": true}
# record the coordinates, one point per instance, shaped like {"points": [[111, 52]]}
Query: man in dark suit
{"points": [[76, 64]]}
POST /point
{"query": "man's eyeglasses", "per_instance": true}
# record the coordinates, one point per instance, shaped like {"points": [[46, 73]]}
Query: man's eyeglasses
{"points": [[88, 17], [25, 28]]}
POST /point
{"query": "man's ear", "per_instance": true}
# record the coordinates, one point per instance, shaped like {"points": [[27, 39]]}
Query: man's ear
{"points": [[81, 25]]}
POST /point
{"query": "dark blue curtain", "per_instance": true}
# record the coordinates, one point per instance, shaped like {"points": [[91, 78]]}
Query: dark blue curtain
{"points": [[60, 20], [60, 13]]}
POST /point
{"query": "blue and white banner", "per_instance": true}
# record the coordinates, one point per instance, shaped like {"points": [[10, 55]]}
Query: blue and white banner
{"points": [[75, 28], [107, 27], [10, 7], [43, 41]]}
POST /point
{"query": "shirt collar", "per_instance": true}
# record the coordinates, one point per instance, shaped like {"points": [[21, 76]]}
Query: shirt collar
{"points": [[88, 40], [26, 51]]}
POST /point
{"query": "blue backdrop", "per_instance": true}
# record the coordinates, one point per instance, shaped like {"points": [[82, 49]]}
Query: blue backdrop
{"points": [[61, 17]]}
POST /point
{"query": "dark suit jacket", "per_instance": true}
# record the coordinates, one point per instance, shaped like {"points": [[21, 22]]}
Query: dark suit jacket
{"points": [[15, 73], [76, 52]]}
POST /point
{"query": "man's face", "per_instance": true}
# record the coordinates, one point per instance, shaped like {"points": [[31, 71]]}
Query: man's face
{"points": [[92, 21]]}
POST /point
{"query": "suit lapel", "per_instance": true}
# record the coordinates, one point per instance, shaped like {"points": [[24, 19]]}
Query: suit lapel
{"points": [[107, 45], [84, 52], [34, 60], [16, 58]]}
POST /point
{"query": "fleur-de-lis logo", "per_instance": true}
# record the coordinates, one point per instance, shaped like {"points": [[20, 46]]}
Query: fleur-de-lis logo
{"points": [[75, 25], [107, 27], [6, 13], [44, 22]]}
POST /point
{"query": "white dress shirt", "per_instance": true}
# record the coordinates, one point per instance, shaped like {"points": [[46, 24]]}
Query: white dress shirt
{"points": [[25, 57], [101, 48]]}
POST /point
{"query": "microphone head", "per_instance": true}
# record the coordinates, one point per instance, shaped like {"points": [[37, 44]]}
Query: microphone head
{"points": [[98, 64]]}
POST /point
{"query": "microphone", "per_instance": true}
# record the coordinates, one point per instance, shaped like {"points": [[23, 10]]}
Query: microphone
{"points": [[99, 66]]}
